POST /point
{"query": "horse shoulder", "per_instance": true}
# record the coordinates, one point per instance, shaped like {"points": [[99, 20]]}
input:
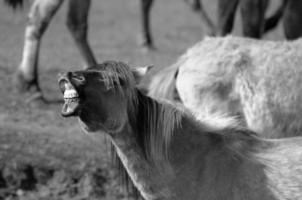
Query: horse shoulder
{"points": [[269, 89]]}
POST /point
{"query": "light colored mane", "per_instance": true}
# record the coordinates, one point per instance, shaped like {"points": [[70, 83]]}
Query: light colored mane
{"points": [[157, 122], [162, 85]]}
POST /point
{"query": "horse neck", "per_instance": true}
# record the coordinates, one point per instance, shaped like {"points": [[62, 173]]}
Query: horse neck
{"points": [[201, 165], [141, 155], [146, 178]]}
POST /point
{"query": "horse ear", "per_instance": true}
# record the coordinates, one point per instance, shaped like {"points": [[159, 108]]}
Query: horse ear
{"points": [[140, 72]]}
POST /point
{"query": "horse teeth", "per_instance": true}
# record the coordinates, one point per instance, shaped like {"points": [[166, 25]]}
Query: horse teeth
{"points": [[71, 93]]}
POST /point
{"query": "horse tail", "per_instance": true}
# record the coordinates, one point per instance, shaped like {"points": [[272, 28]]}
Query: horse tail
{"points": [[162, 85], [273, 20], [14, 3]]}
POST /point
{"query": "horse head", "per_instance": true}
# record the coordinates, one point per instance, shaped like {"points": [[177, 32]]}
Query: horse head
{"points": [[100, 95]]}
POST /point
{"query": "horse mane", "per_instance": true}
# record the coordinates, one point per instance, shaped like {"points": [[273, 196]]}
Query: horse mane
{"points": [[162, 85], [238, 141], [116, 75], [156, 121], [154, 124]]}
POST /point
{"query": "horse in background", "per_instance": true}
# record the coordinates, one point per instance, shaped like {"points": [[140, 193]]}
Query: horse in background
{"points": [[254, 23], [39, 17], [42, 11], [168, 153], [258, 82]]}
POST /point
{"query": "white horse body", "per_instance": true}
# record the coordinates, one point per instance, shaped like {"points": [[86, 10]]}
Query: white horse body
{"points": [[258, 81]]}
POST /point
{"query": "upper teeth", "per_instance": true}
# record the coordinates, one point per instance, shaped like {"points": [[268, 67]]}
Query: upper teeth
{"points": [[70, 93]]}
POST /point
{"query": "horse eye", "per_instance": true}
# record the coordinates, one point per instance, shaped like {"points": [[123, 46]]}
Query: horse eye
{"points": [[101, 80]]}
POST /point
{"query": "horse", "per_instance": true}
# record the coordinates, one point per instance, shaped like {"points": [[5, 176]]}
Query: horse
{"points": [[168, 153], [259, 82]]}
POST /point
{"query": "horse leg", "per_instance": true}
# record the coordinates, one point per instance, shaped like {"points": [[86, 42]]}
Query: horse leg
{"points": [[292, 19], [226, 13], [40, 14], [77, 16], [205, 18], [196, 5], [272, 21], [253, 13], [145, 17]]}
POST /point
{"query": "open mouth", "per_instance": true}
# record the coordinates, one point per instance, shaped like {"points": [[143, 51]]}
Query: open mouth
{"points": [[71, 99]]}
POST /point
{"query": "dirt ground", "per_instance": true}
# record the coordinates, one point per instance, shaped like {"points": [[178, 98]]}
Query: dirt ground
{"points": [[42, 155]]}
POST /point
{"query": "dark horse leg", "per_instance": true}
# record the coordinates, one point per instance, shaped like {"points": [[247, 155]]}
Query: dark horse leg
{"points": [[145, 17], [253, 15], [196, 5], [272, 21], [252, 12], [40, 14], [226, 12], [292, 19], [77, 23]]}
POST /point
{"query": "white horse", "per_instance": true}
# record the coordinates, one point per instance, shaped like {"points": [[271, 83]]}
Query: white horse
{"points": [[168, 154], [257, 81]]}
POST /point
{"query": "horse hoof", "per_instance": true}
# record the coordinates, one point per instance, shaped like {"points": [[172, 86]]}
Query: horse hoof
{"points": [[22, 85], [146, 44], [146, 48]]}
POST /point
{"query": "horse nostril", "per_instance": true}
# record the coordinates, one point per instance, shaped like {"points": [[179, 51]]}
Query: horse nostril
{"points": [[79, 79]]}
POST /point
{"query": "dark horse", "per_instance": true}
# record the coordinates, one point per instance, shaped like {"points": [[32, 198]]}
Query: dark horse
{"points": [[254, 23], [168, 154]]}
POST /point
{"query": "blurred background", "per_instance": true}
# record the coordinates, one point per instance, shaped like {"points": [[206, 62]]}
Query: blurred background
{"points": [[42, 155]]}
